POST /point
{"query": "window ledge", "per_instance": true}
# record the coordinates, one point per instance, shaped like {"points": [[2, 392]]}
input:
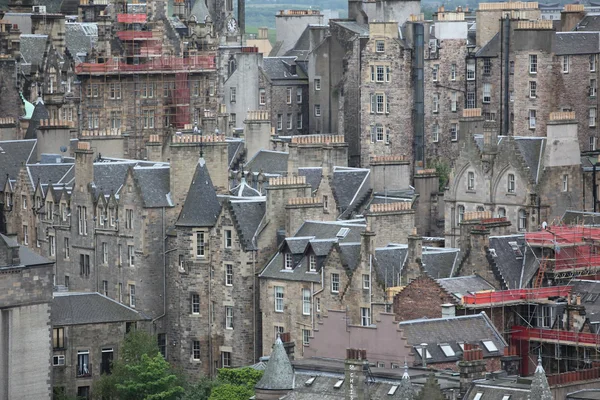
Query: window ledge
{"points": [[511, 194], [471, 191]]}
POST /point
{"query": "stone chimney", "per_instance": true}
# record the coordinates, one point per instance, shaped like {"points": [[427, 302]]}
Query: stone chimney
{"points": [[8, 129], [356, 362], [570, 16], [470, 124], [257, 132], [300, 209], [9, 252], [413, 267], [53, 136], [510, 361], [308, 151], [389, 173], [84, 166], [391, 222], [562, 144], [448, 310], [154, 148], [263, 33], [471, 367]]}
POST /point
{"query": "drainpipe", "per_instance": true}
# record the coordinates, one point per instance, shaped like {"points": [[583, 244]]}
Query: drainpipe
{"points": [[419, 104], [506, 53], [164, 251]]}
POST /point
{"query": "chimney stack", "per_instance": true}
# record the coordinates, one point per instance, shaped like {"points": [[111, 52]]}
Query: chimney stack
{"points": [[356, 363], [448, 310], [471, 367]]}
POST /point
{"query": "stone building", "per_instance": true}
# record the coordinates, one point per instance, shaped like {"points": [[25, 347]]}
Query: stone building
{"points": [[26, 283], [87, 332], [528, 180]]}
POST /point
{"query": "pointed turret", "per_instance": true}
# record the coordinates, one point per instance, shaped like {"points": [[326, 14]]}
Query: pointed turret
{"points": [[540, 389], [405, 390], [201, 206], [279, 374]]}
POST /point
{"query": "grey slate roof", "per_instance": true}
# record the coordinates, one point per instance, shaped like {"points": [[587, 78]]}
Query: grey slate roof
{"points": [[244, 190], [313, 176], [459, 286], [491, 48], [353, 26], [233, 149], [27, 257], [33, 47], [567, 43], [590, 23], [279, 374], [540, 389], [350, 255], [439, 262], [80, 37], [467, 329], [517, 388], [72, 308], [201, 207], [270, 162], [589, 291], [154, 183], [516, 268], [530, 149], [199, 10], [248, 216], [277, 68], [47, 172], [13, 155], [349, 186]]}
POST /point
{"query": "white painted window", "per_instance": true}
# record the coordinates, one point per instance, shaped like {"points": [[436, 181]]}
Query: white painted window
{"points": [[365, 316], [453, 101], [288, 95], [232, 94], [487, 92], [278, 298], [306, 301], [522, 220], [289, 261], [565, 64], [565, 183], [460, 214], [195, 303], [317, 110], [262, 96], [436, 102], [533, 64], [132, 296], [593, 62], [435, 72], [279, 122], [435, 133], [312, 263], [532, 116], [447, 350], [511, 183], [228, 317], [380, 46], [453, 72], [532, 89], [593, 87], [228, 274], [471, 70], [454, 132], [200, 245], [592, 117], [317, 84], [305, 336], [366, 281], [335, 283], [471, 180]]}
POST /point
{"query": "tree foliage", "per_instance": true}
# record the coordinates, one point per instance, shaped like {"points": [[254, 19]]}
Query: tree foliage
{"points": [[227, 391], [140, 373], [240, 376]]}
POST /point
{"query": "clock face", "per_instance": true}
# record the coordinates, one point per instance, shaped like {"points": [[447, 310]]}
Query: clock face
{"points": [[231, 25]]}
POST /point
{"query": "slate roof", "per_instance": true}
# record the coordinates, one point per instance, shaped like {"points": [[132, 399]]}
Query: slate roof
{"points": [[13, 155], [248, 216], [78, 39], [201, 207], [278, 68], [491, 48], [353, 26], [244, 190], [589, 23], [517, 268], [467, 329], [350, 255], [350, 186], [48, 172], [33, 47], [573, 43], [589, 291], [233, 149], [496, 388], [27, 257], [279, 373], [72, 308], [154, 183], [461, 285], [269, 162], [199, 10], [313, 176]]}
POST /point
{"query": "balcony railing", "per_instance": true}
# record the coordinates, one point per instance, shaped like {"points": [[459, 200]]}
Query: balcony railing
{"points": [[84, 370], [556, 336]]}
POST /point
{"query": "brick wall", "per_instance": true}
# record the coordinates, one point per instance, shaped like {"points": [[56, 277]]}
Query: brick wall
{"points": [[423, 297]]}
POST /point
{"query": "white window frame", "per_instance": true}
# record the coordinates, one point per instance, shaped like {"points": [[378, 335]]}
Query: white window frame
{"points": [[228, 239], [366, 281], [279, 298], [365, 316], [262, 96], [104, 253], [532, 89], [195, 303], [533, 64], [436, 102], [288, 262], [532, 118], [593, 62], [522, 220], [435, 72], [306, 302], [453, 72], [453, 131], [200, 245], [592, 113], [335, 283], [289, 122], [511, 183], [460, 213], [132, 296], [232, 94], [288, 95], [229, 317], [312, 263], [317, 110], [565, 64], [306, 336], [593, 87], [317, 84], [380, 46], [299, 121], [131, 255], [228, 274], [565, 183], [435, 133], [593, 142], [196, 350], [299, 95], [471, 70], [487, 93], [470, 180], [453, 101]]}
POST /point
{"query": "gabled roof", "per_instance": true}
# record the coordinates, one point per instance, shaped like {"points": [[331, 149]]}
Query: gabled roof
{"points": [[461, 285], [590, 22], [201, 207], [154, 184], [491, 48], [472, 329], [80, 37], [269, 162], [574, 43], [513, 259], [589, 290], [72, 308], [40, 112], [14, 154], [313, 176], [350, 186], [33, 47], [278, 68], [27, 257]]}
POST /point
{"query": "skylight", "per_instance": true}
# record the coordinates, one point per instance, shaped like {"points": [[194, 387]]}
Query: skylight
{"points": [[516, 249], [447, 349], [490, 346], [343, 232], [420, 351], [478, 396], [338, 384], [310, 381], [506, 397], [393, 390]]}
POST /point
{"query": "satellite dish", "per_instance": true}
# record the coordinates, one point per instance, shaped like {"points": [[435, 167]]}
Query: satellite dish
{"points": [[63, 149]]}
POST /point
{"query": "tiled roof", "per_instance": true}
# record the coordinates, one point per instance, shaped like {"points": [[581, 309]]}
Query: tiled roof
{"points": [[201, 207], [472, 329], [513, 259], [71, 308], [33, 47], [568, 43], [80, 37]]}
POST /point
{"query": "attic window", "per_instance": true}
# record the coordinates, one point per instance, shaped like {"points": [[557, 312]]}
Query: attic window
{"points": [[338, 384], [393, 390], [342, 233], [447, 349], [493, 252], [288, 261], [516, 249], [310, 381], [489, 345], [420, 351]]}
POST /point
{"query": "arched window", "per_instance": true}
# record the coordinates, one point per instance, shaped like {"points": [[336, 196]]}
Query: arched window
{"points": [[232, 66], [480, 208], [522, 220], [460, 213], [471, 181], [511, 183], [501, 212]]}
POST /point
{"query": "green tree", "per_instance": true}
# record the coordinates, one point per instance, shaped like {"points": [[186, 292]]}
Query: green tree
{"points": [[140, 373], [240, 376], [200, 390], [228, 391]]}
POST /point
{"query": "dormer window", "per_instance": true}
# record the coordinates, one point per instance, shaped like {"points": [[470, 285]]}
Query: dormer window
{"points": [[288, 262], [312, 263]]}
